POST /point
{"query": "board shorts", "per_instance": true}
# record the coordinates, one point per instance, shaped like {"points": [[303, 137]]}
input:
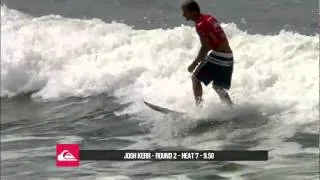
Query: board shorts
{"points": [[216, 67]]}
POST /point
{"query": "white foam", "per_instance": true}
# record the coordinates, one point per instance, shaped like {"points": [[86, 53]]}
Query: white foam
{"points": [[69, 139], [113, 178], [60, 57], [12, 138], [176, 177], [99, 177]]}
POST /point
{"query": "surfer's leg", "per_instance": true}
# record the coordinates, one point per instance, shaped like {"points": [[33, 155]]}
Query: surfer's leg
{"points": [[223, 95], [197, 90]]}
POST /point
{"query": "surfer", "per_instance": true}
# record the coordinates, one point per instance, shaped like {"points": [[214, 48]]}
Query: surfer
{"points": [[214, 61]]}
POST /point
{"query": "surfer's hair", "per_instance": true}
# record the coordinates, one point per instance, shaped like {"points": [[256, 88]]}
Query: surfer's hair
{"points": [[191, 5]]}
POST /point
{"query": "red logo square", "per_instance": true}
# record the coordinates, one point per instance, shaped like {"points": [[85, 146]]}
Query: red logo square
{"points": [[67, 155]]}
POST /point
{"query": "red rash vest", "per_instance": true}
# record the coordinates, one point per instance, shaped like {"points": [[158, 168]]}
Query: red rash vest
{"points": [[208, 26]]}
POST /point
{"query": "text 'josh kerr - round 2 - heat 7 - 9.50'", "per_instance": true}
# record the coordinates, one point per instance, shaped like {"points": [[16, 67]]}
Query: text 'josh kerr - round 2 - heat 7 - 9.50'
{"points": [[148, 155]]}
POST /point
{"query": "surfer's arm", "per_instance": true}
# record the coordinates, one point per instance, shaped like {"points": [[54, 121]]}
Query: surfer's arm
{"points": [[205, 48]]}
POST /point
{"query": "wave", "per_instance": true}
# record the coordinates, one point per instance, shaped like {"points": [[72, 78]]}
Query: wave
{"points": [[56, 57]]}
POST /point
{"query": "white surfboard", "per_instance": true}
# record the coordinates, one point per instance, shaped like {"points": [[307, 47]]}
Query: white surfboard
{"points": [[161, 109]]}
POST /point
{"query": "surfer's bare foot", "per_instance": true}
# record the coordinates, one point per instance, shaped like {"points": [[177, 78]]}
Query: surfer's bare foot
{"points": [[226, 99], [223, 95], [229, 103], [199, 101]]}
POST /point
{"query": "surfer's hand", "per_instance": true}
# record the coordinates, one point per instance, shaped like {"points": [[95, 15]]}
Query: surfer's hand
{"points": [[192, 67]]}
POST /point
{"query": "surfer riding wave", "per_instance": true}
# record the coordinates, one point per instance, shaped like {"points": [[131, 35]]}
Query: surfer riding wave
{"points": [[214, 62]]}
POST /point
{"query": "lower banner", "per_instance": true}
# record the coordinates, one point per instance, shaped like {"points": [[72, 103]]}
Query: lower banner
{"points": [[146, 155], [70, 155]]}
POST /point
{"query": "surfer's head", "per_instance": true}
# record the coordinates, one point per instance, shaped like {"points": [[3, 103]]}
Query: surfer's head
{"points": [[190, 9]]}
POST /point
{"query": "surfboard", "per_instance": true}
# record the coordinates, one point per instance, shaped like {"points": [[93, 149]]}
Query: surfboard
{"points": [[161, 109]]}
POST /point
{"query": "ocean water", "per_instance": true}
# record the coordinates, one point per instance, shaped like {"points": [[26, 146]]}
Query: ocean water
{"points": [[75, 71]]}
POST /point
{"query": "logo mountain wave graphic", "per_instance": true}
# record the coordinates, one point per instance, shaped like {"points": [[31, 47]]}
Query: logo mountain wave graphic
{"points": [[65, 155]]}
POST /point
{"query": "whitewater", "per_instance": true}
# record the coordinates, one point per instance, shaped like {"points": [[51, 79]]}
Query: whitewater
{"points": [[52, 58], [55, 58]]}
